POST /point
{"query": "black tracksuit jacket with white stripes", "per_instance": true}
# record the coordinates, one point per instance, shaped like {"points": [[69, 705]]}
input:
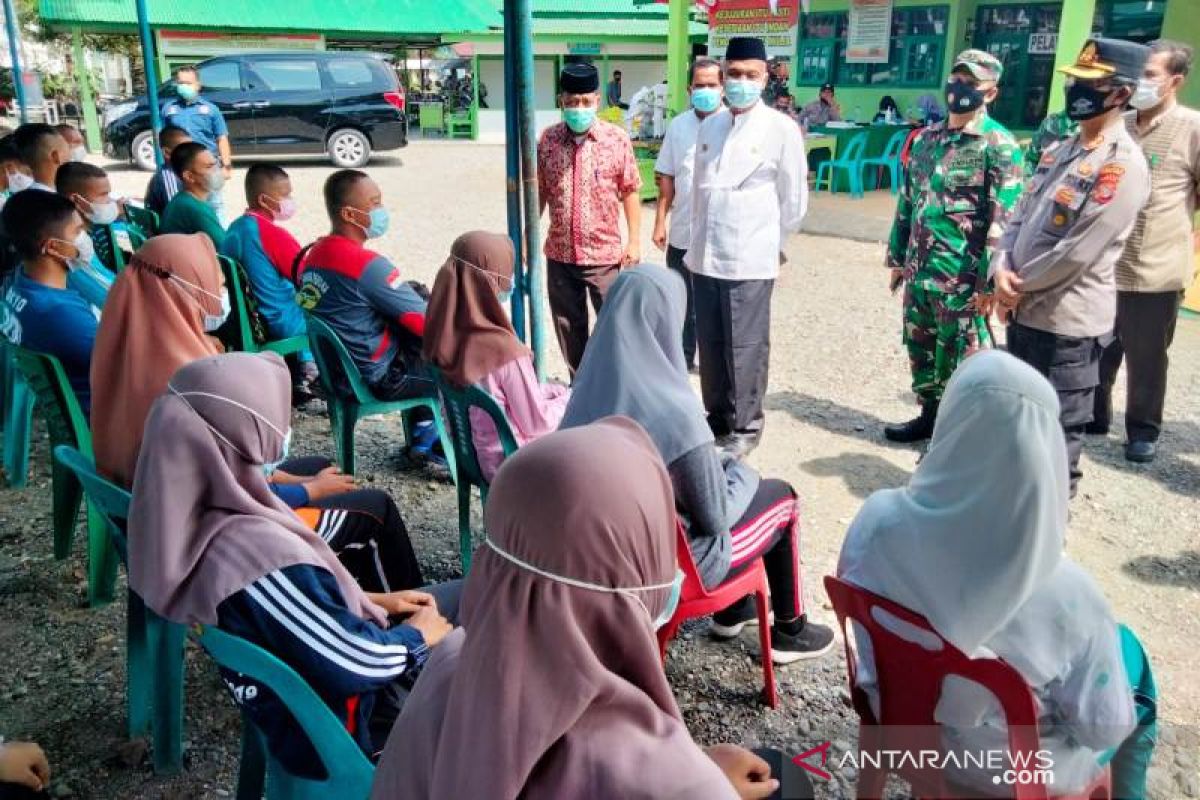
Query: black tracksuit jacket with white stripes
{"points": [[298, 615]]}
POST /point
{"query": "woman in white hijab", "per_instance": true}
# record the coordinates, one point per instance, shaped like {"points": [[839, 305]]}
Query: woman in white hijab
{"points": [[974, 543]]}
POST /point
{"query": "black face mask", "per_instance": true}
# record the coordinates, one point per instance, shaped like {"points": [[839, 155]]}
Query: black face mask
{"points": [[962, 97], [1085, 101]]}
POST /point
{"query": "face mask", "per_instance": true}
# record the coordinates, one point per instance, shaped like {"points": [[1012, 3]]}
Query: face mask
{"points": [[502, 295], [579, 119], [962, 97], [85, 251], [103, 213], [187, 92], [19, 182], [631, 592], [286, 209], [287, 437], [211, 321], [706, 100], [1147, 95], [378, 224], [270, 467], [743, 93], [215, 179], [1085, 101], [79, 152], [672, 601]]}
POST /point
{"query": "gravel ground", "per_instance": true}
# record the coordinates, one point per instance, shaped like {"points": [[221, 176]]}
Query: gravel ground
{"points": [[838, 373]]}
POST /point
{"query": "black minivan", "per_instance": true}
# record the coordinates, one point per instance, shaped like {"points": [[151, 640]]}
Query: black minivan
{"points": [[342, 104]]}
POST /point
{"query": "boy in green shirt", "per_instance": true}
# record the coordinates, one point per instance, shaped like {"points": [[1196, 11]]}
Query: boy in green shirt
{"points": [[189, 211]]}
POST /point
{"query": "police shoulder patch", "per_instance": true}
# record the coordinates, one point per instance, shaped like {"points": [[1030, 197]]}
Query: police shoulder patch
{"points": [[1106, 183]]}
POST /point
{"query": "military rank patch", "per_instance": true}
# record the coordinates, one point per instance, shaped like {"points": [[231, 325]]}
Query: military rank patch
{"points": [[1106, 183]]}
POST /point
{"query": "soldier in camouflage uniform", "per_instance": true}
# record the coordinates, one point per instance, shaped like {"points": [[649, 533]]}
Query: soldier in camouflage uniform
{"points": [[964, 178], [1054, 128]]}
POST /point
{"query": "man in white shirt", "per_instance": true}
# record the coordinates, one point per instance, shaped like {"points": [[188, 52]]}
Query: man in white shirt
{"points": [[674, 170], [750, 191]]}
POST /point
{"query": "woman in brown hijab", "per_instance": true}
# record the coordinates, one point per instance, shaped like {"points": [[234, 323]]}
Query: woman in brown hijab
{"points": [[161, 312], [554, 687], [210, 543], [468, 337]]}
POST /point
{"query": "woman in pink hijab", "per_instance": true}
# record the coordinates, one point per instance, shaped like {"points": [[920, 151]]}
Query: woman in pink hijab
{"points": [[557, 691]]}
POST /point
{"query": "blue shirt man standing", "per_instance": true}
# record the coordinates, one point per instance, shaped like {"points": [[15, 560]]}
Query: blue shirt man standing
{"points": [[203, 122]]}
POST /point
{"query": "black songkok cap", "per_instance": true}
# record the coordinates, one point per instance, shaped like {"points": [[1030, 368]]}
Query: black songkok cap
{"points": [[742, 48], [579, 79]]}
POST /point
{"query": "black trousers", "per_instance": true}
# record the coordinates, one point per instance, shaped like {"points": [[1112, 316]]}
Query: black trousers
{"points": [[1145, 329], [1072, 365], [733, 337], [364, 528], [569, 287], [675, 262], [770, 529]]}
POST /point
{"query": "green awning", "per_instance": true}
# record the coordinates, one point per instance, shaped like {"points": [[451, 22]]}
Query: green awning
{"points": [[602, 19], [385, 19]]}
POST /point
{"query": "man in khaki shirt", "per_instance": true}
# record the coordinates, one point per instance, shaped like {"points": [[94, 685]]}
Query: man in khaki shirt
{"points": [[1156, 266]]}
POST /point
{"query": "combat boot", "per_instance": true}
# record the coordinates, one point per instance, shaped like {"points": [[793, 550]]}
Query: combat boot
{"points": [[915, 430]]}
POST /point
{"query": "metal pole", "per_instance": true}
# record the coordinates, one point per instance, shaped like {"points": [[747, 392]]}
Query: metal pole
{"points": [[151, 73], [91, 124], [10, 24], [523, 36], [512, 153]]}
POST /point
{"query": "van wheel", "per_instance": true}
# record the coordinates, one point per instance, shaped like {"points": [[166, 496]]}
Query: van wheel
{"points": [[142, 149], [348, 148]]}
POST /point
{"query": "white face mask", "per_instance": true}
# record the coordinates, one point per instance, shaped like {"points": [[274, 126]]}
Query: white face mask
{"points": [[633, 592], [102, 213], [1147, 95], [85, 251], [79, 152], [19, 181], [211, 321], [287, 437]]}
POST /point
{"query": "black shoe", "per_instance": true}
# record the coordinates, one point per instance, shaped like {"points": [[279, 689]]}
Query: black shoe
{"points": [[915, 430], [1141, 451], [1096, 428], [812, 641], [729, 622]]}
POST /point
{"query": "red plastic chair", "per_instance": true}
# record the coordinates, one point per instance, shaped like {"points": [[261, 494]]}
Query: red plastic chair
{"points": [[696, 601], [910, 683]]}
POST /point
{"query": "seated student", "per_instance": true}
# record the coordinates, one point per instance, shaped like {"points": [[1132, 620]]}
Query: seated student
{"points": [[189, 211], [164, 185], [553, 687], [974, 544], [733, 517], [88, 187], [268, 254], [44, 314], [469, 337], [15, 175], [74, 140], [209, 543], [362, 297], [161, 311], [43, 150]]}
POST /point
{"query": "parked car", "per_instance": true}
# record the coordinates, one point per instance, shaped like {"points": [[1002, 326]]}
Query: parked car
{"points": [[343, 104]]}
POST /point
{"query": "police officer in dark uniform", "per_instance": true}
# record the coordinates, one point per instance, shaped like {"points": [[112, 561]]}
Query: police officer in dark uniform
{"points": [[1054, 271]]}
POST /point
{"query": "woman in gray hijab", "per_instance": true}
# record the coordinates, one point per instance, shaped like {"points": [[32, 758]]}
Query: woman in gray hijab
{"points": [[634, 366]]}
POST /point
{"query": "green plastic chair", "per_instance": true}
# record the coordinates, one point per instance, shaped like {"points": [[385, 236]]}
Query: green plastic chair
{"points": [[344, 412], [18, 404], [890, 159], [458, 402], [460, 125], [154, 646], [67, 425], [349, 773], [432, 117], [850, 161], [143, 217], [238, 332]]}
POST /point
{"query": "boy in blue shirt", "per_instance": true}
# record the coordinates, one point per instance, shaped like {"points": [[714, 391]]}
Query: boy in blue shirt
{"points": [[268, 254], [40, 312], [88, 188]]}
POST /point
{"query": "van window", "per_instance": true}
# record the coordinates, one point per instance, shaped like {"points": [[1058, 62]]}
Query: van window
{"points": [[351, 73], [221, 76], [288, 74]]}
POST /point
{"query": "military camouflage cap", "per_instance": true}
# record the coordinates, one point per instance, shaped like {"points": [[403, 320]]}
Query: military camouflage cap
{"points": [[984, 66]]}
